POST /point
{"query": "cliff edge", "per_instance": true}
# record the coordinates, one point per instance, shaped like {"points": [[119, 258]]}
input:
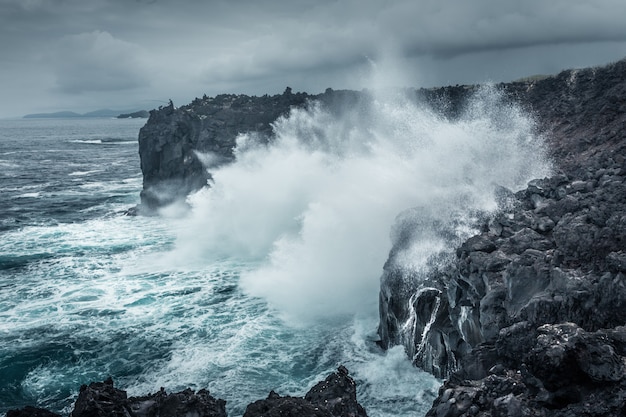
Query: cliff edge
{"points": [[173, 139], [179, 146]]}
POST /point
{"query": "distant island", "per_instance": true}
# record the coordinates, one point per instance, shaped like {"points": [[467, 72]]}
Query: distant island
{"points": [[97, 113]]}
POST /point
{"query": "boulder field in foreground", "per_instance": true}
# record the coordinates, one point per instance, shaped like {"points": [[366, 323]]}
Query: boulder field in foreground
{"points": [[333, 397]]}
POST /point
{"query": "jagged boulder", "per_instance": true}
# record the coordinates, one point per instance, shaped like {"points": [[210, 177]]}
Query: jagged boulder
{"points": [[337, 393], [333, 397], [555, 370], [100, 399]]}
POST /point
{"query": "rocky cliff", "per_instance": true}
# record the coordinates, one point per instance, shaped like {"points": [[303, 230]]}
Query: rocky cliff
{"points": [[178, 146], [526, 318], [171, 142]]}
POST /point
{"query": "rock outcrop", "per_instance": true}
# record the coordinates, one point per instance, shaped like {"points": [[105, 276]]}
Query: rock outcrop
{"points": [[170, 141], [179, 146], [333, 397], [526, 318]]}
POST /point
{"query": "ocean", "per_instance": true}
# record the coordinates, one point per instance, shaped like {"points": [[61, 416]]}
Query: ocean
{"points": [[85, 294], [267, 280]]}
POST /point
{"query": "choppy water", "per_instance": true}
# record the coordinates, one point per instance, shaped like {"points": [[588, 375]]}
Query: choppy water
{"points": [[85, 293]]}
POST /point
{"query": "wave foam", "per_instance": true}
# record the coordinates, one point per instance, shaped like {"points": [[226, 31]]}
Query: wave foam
{"points": [[316, 205]]}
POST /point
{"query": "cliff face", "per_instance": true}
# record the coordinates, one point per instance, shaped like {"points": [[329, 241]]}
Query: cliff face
{"points": [[178, 145], [170, 141], [527, 317]]}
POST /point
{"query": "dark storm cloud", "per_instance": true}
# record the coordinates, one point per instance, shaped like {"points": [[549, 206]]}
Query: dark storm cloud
{"points": [[97, 61], [165, 48]]}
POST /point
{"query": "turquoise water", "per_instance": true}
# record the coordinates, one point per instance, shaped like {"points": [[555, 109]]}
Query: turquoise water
{"points": [[87, 292]]}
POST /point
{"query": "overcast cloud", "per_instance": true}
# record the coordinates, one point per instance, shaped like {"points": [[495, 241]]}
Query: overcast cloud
{"points": [[86, 54]]}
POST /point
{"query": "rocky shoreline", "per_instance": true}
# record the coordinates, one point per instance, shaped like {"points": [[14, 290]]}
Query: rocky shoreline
{"points": [[333, 397], [527, 318]]}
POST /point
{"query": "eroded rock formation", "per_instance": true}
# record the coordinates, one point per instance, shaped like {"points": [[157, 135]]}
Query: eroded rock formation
{"points": [[527, 317], [179, 146]]}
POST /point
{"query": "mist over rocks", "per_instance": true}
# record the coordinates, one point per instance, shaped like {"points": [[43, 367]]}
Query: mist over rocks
{"points": [[527, 317], [573, 109]]}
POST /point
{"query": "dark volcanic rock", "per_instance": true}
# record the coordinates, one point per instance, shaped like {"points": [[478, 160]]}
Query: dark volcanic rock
{"points": [[333, 397], [276, 406], [549, 300], [527, 319], [337, 393], [102, 399], [29, 411], [560, 370], [172, 142]]}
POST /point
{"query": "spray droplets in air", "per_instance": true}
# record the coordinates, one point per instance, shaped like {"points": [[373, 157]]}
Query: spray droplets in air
{"points": [[315, 206]]}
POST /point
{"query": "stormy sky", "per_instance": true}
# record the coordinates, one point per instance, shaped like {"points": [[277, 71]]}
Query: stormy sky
{"points": [[83, 55]]}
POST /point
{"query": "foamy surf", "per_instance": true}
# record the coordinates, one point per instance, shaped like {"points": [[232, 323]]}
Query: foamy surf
{"points": [[270, 281], [316, 205]]}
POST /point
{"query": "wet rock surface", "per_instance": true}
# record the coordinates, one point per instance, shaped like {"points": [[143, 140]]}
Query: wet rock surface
{"points": [[333, 397], [100, 399], [526, 318]]}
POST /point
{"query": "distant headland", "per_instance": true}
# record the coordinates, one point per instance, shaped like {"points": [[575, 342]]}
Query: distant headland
{"points": [[97, 113]]}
